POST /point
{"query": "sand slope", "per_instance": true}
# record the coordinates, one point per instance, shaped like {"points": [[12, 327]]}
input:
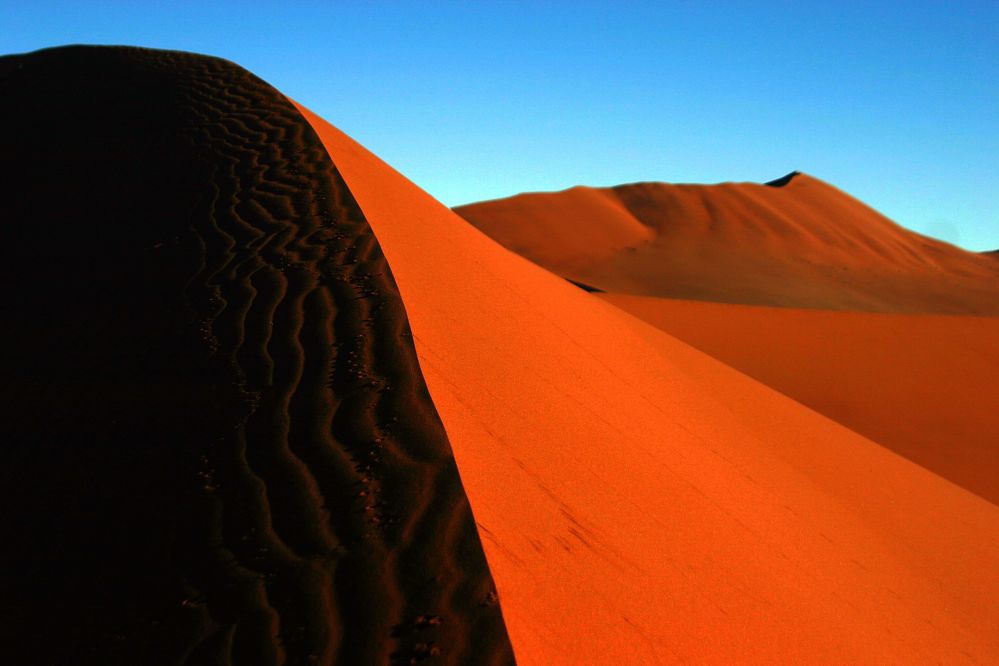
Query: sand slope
{"points": [[641, 502], [922, 385], [798, 242], [218, 446]]}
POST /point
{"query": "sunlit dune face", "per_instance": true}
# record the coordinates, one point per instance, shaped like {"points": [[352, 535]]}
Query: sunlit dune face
{"points": [[921, 385], [640, 501]]}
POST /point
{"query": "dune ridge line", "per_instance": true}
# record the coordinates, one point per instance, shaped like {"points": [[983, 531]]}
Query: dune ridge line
{"points": [[654, 504], [236, 460]]}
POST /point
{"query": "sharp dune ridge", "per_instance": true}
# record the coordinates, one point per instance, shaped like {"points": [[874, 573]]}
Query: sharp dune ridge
{"points": [[655, 504], [917, 345], [795, 242], [783, 180], [220, 448]]}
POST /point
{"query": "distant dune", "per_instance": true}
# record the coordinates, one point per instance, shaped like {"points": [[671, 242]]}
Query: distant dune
{"points": [[269, 402], [642, 502], [802, 288], [795, 242]]}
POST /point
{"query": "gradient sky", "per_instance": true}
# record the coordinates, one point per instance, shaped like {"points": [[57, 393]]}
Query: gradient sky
{"points": [[896, 103]]}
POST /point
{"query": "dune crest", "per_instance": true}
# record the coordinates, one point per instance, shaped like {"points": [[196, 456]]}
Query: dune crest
{"points": [[783, 180], [219, 446], [794, 242], [641, 502]]}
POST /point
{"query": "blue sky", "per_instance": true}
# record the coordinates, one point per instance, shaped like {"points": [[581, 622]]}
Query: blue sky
{"points": [[895, 103]]}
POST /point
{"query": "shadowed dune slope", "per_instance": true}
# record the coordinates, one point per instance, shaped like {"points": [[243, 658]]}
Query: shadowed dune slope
{"points": [[218, 447], [640, 501], [922, 385], [796, 242]]}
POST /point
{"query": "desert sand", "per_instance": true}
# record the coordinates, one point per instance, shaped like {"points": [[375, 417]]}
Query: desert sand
{"points": [[921, 385], [797, 242], [642, 502], [858, 334], [219, 448], [271, 403]]}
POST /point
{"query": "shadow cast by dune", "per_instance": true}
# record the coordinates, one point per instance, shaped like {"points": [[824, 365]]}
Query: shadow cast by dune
{"points": [[783, 180], [220, 448]]}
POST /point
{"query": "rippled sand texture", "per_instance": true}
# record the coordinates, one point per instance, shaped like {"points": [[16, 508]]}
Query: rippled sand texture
{"points": [[219, 447]]}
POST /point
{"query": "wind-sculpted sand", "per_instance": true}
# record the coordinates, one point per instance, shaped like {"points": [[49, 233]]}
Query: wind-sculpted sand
{"points": [[219, 315], [921, 385], [219, 447], [641, 502], [795, 242]]}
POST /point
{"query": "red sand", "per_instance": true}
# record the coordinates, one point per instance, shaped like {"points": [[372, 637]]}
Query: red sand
{"points": [[805, 244], [922, 385], [640, 501]]}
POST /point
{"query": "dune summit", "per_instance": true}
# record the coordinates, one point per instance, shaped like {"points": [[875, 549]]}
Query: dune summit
{"points": [[219, 447], [793, 242]]}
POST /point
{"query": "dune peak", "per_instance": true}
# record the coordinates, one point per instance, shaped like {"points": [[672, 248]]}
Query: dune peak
{"points": [[783, 180], [810, 245]]}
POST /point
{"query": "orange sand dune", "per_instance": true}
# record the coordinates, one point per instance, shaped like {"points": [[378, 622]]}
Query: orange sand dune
{"points": [[532, 225], [640, 501], [217, 444], [798, 242], [922, 385]]}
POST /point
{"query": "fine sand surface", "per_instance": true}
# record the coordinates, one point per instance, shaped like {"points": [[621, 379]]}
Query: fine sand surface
{"points": [[218, 447], [922, 385], [642, 502], [797, 242]]}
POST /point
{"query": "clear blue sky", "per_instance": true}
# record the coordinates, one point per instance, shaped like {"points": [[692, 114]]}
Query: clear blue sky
{"points": [[895, 102]]}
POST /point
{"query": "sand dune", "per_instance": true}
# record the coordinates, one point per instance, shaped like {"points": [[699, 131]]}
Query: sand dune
{"points": [[534, 226], [797, 242], [219, 447], [247, 362], [922, 385], [641, 502]]}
